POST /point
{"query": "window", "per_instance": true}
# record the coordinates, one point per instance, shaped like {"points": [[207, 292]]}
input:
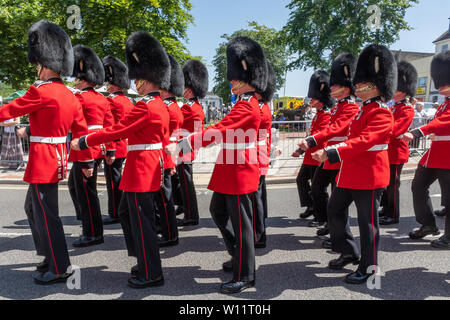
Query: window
{"points": [[444, 47]]}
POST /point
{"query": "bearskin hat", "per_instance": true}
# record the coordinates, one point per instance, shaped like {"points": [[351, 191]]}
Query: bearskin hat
{"points": [[196, 78], [176, 78], [267, 95], [319, 88], [343, 70], [440, 69], [407, 78], [116, 72], [88, 65]]}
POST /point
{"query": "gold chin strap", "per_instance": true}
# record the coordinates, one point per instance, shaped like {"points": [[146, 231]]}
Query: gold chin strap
{"points": [[366, 88], [139, 84], [239, 85], [338, 91], [39, 69]]}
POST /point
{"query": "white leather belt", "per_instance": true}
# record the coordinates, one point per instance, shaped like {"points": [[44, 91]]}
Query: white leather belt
{"points": [[339, 139], [173, 139], [442, 138], [238, 146], [48, 140], [95, 127], [379, 147], [145, 147], [262, 143]]}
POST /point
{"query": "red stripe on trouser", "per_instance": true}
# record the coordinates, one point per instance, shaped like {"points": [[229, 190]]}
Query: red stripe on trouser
{"points": [[112, 189], [254, 218], [240, 232], [395, 191], [373, 231], [89, 205], [167, 215], [142, 237], [187, 192], [48, 232]]}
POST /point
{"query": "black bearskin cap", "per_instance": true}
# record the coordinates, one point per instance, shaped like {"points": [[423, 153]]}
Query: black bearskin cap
{"points": [[196, 78], [440, 69], [407, 78], [88, 65], [343, 70], [319, 88], [116, 72], [267, 95], [176, 78]]}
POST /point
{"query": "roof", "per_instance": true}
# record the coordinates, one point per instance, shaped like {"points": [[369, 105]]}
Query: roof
{"points": [[410, 55], [444, 36]]}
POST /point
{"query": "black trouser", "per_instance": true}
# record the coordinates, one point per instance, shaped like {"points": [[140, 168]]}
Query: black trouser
{"points": [[87, 198], [73, 193], [390, 200], [34, 228], [423, 207], [188, 191], [166, 208], [176, 190], [233, 215], [113, 174], [259, 200], [137, 217], [48, 226], [322, 179], [304, 179], [367, 203]]}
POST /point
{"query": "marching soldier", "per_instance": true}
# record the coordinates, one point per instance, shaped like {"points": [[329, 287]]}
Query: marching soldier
{"points": [[89, 72], [364, 161], [398, 149], [342, 89], [53, 111], [434, 164], [146, 128], [319, 92], [236, 174], [195, 87], [164, 197], [116, 75], [260, 210]]}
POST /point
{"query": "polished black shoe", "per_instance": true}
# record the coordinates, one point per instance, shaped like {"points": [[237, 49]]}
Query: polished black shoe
{"points": [[48, 278], [323, 231], [314, 223], [167, 243], [187, 222], [228, 266], [441, 243], [260, 245], [236, 286], [387, 221], [342, 261], [440, 213], [135, 270], [84, 241], [108, 221], [137, 283], [326, 244], [42, 267], [308, 213], [357, 277], [179, 211], [423, 232]]}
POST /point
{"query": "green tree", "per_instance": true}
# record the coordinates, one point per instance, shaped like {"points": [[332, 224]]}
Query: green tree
{"points": [[274, 49], [105, 26], [318, 30]]}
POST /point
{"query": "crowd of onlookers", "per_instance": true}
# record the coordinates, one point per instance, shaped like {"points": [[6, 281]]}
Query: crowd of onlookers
{"points": [[11, 155]]}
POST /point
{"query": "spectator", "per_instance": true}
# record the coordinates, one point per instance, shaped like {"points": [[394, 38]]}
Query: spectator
{"points": [[420, 118], [12, 153], [309, 116]]}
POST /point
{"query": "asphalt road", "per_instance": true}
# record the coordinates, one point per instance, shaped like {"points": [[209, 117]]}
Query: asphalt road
{"points": [[293, 266]]}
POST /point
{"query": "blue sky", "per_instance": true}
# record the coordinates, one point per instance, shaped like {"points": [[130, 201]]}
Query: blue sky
{"points": [[214, 18]]}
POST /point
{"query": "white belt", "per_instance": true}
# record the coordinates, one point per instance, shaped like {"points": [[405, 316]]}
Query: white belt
{"points": [[48, 140], [95, 127], [339, 139], [238, 146], [145, 147], [173, 139], [379, 147], [442, 138], [262, 143]]}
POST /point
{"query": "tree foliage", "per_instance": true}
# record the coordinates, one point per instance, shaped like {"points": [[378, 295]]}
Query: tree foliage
{"points": [[105, 26], [318, 30], [274, 49]]}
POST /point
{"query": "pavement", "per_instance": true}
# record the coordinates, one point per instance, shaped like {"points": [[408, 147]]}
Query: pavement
{"points": [[292, 267]]}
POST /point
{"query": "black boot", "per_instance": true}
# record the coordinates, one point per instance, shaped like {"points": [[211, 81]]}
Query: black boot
{"points": [[308, 213], [423, 232], [235, 286], [342, 261]]}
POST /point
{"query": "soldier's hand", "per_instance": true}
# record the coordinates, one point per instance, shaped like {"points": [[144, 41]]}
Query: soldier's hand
{"points": [[22, 133], [110, 160], [171, 149], [295, 154], [88, 172], [173, 171], [320, 155], [433, 137], [303, 145], [74, 144], [408, 137]]}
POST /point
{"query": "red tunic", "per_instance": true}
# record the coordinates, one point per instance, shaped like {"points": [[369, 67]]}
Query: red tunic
{"points": [[53, 111], [437, 155], [120, 107], [337, 130], [264, 138], [320, 122], [97, 112], [175, 123], [364, 156], [237, 168], [147, 123], [399, 149], [194, 121]]}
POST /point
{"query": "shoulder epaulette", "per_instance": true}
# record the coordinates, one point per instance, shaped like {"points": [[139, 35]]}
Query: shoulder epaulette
{"points": [[40, 83], [112, 95], [190, 103], [246, 98], [147, 99], [167, 102]]}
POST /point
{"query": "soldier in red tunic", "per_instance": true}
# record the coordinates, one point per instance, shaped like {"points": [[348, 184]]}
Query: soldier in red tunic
{"points": [[342, 89], [195, 87], [236, 174], [319, 92], [118, 83], [146, 128], [260, 210], [435, 164], [364, 161], [89, 72], [398, 149], [53, 111]]}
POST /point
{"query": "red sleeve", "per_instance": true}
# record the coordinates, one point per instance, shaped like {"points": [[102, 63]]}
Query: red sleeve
{"points": [[108, 121], [338, 127], [403, 121], [439, 125], [27, 104], [79, 128], [322, 121]]}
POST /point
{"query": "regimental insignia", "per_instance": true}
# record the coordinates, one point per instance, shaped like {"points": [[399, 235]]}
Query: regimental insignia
{"points": [[40, 83], [190, 103], [147, 99], [168, 102], [112, 95], [246, 97]]}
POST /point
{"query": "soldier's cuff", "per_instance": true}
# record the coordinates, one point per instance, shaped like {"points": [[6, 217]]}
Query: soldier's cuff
{"points": [[333, 155], [417, 133], [110, 153], [87, 164], [82, 143], [311, 141]]}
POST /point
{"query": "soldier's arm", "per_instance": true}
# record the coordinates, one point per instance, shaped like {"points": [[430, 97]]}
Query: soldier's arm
{"points": [[30, 102]]}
